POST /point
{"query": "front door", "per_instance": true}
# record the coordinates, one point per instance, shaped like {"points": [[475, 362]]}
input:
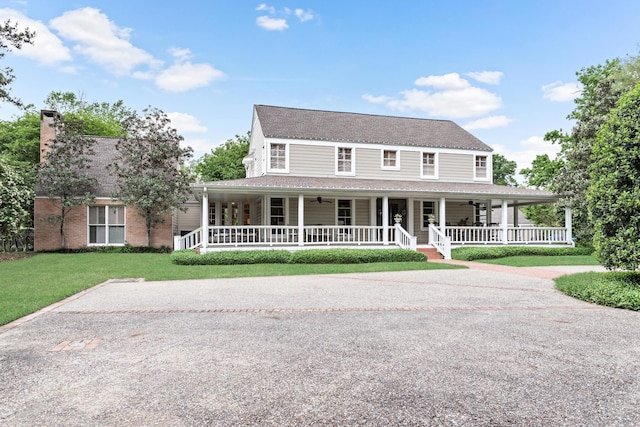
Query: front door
{"points": [[398, 206]]}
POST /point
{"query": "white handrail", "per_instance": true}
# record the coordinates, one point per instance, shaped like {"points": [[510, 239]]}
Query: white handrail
{"points": [[440, 241], [404, 239], [189, 241]]}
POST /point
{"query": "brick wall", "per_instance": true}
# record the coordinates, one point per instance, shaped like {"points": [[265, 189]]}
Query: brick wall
{"points": [[47, 235]]}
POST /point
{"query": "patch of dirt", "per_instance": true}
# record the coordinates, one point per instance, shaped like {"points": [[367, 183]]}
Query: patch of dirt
{"points": [[13, 256]]}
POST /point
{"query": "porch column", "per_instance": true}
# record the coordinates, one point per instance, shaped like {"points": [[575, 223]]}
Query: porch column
{"points": [[218, 217], [503, 220], [301, 220], [489, 209], [568, 223], [442, 214], [204, 219], [385, 220], [410, 216], [373, 218]]}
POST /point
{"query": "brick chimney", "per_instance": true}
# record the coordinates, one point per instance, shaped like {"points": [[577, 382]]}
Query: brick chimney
{"points": [[47, 131]]}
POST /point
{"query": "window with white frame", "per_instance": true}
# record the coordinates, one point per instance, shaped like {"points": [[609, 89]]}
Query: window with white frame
{"points": [[278, 156], [390, 159], [481, 167], [106, 225], [428, 213], [277, 211], [344, 160], [344, 212], [429, 167]]}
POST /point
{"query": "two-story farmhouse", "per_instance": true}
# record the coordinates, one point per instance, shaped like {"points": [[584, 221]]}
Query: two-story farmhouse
{"points": [[323, 178]]}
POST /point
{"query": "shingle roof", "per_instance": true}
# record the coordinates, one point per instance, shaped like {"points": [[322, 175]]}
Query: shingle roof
{"points": [[296, 184], [295, 123], [105, 154]]}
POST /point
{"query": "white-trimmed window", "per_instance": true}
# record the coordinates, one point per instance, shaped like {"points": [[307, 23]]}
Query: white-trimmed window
{"points": [[106, 225], [277, 211], [345, 161], [429, 165], [481, 170], [345, 212], [390, 159], [278, 157], [428, 212]]}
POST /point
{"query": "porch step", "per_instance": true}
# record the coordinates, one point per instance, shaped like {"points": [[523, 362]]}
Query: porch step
{"points": [[431, 253]]}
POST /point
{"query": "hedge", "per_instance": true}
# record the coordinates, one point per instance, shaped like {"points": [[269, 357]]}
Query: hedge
{"points": [[126, 249], [493, 252], [312, 256]]}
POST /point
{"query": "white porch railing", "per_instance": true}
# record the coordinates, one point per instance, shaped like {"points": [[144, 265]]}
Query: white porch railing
{"points": [[404, 239], [321, 235], [514, 235], [440, 241]]}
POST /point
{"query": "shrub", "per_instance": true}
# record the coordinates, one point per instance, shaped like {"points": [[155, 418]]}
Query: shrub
{"points": [[474, 253], [612, 289], [312, 256], [126, 249]]}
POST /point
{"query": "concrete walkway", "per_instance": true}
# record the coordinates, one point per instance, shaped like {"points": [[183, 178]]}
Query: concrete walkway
{"points": [[443, 347]]}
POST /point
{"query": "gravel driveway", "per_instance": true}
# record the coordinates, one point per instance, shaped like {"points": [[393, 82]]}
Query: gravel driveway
{"points": [[442, 347]]}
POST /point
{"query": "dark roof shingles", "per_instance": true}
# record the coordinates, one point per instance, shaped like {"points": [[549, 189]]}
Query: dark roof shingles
{"points": [[295, 123]]}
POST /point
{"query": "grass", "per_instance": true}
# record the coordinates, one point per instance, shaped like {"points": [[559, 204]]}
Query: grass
{"points": [[612, 289], [32, 283], [542, 261]]}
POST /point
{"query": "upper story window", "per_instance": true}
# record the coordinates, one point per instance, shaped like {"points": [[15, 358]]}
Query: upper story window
{"points": [[481, 167], [390, 159], [429, 165], [278, 157], [106, 225], [345, 161]]}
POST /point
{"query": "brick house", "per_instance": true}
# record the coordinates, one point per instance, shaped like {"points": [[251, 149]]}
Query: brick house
{"points": [[107, 221]]}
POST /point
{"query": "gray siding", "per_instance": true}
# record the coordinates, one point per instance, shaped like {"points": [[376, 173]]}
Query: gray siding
{"points": [[319, 213], [362, 212], [189, 220], [422, 235], [455, 167], [369, 165], [312, 160]]}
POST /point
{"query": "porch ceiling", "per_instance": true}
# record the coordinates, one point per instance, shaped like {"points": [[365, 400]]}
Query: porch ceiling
{"points": [[295, 185]]}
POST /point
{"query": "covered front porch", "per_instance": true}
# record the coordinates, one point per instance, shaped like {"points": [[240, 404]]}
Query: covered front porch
{"points": [[222, 218]]}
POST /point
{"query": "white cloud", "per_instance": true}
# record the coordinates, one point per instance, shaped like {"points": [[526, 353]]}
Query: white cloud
{"points": [[453, 97], [376, 99], [182, 77], [102, 41], [488, 123], [488, 77], [272, 24], [186, 123], [527, 150], [269, 9], [561, 92], [451, 81], [47, 48], [181, 55], [304, 16]]}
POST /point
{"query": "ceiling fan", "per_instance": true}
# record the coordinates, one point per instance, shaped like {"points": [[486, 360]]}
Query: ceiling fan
{"points": [[321, 200]]}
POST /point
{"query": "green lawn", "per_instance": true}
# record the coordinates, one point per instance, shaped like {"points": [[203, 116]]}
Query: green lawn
{"points": [[611, 289], [541, 261], [30, 284]]}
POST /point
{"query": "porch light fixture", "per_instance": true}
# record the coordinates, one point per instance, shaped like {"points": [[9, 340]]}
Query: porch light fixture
{"points": [[319, 199], [471, 202]]}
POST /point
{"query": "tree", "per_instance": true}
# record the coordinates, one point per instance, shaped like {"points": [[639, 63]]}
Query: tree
{"points": [[147, 168], [16, 198], [504, 171], [64, 175], [614, 192], [598, 98], [541, 174], [10, 36], [97, 118], [20, 138], [225, 161]]}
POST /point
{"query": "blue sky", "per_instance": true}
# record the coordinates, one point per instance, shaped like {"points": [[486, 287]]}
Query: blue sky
{"points": [[504, 70]]}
